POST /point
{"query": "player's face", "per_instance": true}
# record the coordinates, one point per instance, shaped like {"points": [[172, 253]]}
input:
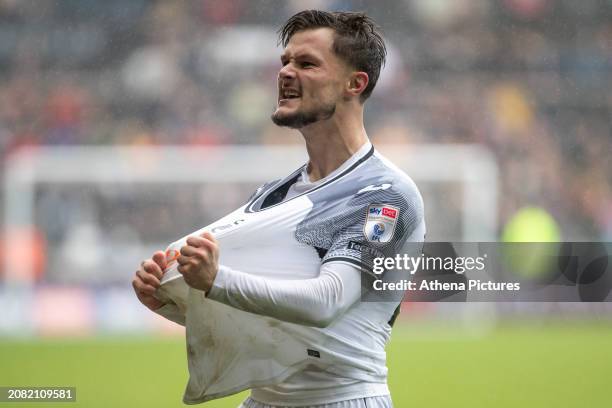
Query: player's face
{"points": [[310, 82]]}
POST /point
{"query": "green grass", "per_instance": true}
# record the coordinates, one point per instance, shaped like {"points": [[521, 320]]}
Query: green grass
{"points": [[513, 366], [516, 366]]}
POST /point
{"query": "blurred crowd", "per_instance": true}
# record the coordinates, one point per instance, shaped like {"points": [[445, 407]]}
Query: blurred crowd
{"points": [[529, 79]]}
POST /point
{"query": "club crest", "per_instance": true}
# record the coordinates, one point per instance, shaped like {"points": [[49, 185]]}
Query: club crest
{"points": [[380, 223]]}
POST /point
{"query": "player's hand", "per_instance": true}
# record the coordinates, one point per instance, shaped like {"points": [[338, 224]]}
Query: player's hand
{"points": [[199, 261], [147, 280]]}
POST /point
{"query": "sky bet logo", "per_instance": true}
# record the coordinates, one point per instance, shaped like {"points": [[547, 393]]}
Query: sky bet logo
{"points": [[389, 212], [380, 223], [386, 211]]}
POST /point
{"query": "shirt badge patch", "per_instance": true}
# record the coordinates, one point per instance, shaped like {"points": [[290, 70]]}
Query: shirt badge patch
{"points": [[380, 223]]}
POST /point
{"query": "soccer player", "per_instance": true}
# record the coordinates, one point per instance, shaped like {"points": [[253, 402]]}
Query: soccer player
{"points": [[273, 295]]}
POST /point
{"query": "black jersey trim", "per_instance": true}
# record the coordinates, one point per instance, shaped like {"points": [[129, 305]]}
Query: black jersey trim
{"points": [[353, 261], [321, 252], [277, 195], [396, 313], [287, 181], [270, 187]]}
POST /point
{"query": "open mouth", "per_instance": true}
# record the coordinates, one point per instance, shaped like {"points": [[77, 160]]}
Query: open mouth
{"points": [[287, 94]]}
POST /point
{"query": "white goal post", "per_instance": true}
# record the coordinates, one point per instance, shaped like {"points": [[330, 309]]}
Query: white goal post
{"points": [[472, 166]]}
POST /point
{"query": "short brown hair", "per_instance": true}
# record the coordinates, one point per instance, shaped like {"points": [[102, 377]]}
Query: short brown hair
{"points": [[358, 40]]}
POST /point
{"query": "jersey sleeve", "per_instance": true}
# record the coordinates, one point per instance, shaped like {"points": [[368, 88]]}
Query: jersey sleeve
{"points": [[312, 302], [383, 223]]}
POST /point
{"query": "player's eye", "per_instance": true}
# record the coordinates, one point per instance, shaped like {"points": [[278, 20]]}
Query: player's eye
{"points": [[306, 64]]}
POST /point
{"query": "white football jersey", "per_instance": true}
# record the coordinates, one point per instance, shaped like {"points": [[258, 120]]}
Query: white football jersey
{"points": [[365, 207]]}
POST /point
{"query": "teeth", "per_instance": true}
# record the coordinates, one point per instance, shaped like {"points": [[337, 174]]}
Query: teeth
{"points": [[290, 94]]}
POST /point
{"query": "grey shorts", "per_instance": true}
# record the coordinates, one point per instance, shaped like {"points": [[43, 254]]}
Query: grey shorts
{"points": [[383, 401]]}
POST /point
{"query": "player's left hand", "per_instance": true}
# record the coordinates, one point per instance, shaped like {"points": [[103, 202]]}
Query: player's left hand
{"points": [[199, 261]]}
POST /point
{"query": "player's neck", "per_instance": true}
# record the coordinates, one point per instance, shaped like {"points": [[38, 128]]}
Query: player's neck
{"points": [[332, 142]]}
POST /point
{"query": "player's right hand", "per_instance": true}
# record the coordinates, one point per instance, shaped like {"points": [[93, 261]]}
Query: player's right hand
{"points": [[147, 280]]}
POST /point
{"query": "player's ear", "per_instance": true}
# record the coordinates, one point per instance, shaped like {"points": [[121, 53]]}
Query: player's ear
{"points": [[357, 83]]}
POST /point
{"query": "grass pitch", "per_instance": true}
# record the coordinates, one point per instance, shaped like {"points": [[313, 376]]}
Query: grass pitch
{"points": [[561, 365]]}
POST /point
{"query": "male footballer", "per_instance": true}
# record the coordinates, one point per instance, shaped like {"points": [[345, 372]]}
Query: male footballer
{"points": [[272, 295]]}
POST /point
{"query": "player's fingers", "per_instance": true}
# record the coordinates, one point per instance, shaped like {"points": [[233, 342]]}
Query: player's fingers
{"points": [[199, 254], [195, 241], [210, 244], [183, 260], [142, 288], [189, 250], [148, 290], [148, 278], [152, 268], [192, 261], [136, 284], [159, 257], [182, 269], [209, 236]]}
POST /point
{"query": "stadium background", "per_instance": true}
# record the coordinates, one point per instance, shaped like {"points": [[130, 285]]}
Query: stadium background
{"points": [[528, 80]]}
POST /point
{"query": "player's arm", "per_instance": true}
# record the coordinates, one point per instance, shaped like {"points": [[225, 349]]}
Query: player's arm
{"points": [[313, 302], [317, 301]]}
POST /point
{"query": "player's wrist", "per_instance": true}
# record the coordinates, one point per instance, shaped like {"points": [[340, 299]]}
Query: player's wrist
{"points": [[218, 282]]}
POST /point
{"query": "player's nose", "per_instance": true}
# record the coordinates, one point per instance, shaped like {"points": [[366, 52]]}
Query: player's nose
{"points": [[286, 72]]}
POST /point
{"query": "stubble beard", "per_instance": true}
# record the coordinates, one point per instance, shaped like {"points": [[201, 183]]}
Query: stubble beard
{"points": [[301, 119]]}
